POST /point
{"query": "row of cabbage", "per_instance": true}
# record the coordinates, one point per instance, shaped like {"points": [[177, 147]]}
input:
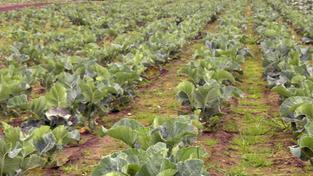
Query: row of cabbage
{"points": [[164, 147], [216, 69], [84, 91], [302, 22], [305, 6], [289, 71]]}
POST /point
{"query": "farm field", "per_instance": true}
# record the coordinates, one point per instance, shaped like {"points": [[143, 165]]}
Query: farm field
{"points": [[156, 88]]}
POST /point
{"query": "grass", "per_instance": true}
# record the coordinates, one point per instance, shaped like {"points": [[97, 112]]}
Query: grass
{"points": [[211, 142], [255, 96], [241, 144], [256, 160], [230, 126], [244, 110], [72, 169], [146, 117], [246, 102], [236, 171], [254, 127], [277, 124], [213, 123]]}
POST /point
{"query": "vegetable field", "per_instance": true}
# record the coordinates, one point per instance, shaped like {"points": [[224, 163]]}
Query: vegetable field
{"points": [[156, 87]]}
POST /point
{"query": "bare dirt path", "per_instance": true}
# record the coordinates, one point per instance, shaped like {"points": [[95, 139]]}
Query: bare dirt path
{"points": [[6, 8], [252, 139]]}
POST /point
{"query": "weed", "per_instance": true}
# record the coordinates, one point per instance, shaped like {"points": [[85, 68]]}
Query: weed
{"points": [[236, 171], [231, 127], [211, 142], [256, 160]]}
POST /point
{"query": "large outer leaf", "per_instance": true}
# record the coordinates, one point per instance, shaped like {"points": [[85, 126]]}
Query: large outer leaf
{"points": [[137, 162], [123, 133], [187, 153], [175, 131], [45, 143], [122, 162], [38, 106], [309, 128], [231, 91], [222, 75], [282, 91], [18, 102], [185, 92], [152, 167], [306, 146], [92, 93], [168, 172], [133, 124], [102, 73], [10, 165], [126, 78], [290, 105], [159, 148], [33, 161], [4, 92], [57, 96], [192, 167], [207, 95], [43, 139], [61, 135], [305, 109], [12, 134], [130, 132], [110, 164], [306, 142]]}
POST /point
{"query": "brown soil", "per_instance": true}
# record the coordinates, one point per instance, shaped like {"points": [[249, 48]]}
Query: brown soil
{"points": [[19, 6], [11, 7], [82, 158], [221, 155]]}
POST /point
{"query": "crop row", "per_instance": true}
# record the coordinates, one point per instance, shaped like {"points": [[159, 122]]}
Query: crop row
{"points": [[288, 71], [302, 22], [216, 69], [305, 6]]}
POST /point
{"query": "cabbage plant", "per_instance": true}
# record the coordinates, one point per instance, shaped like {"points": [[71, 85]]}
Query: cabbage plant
{"points": [[21, 151], [163, 148]]}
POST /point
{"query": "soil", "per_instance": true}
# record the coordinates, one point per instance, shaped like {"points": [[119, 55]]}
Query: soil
{"points": [[19, 6], [6, 8]]}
